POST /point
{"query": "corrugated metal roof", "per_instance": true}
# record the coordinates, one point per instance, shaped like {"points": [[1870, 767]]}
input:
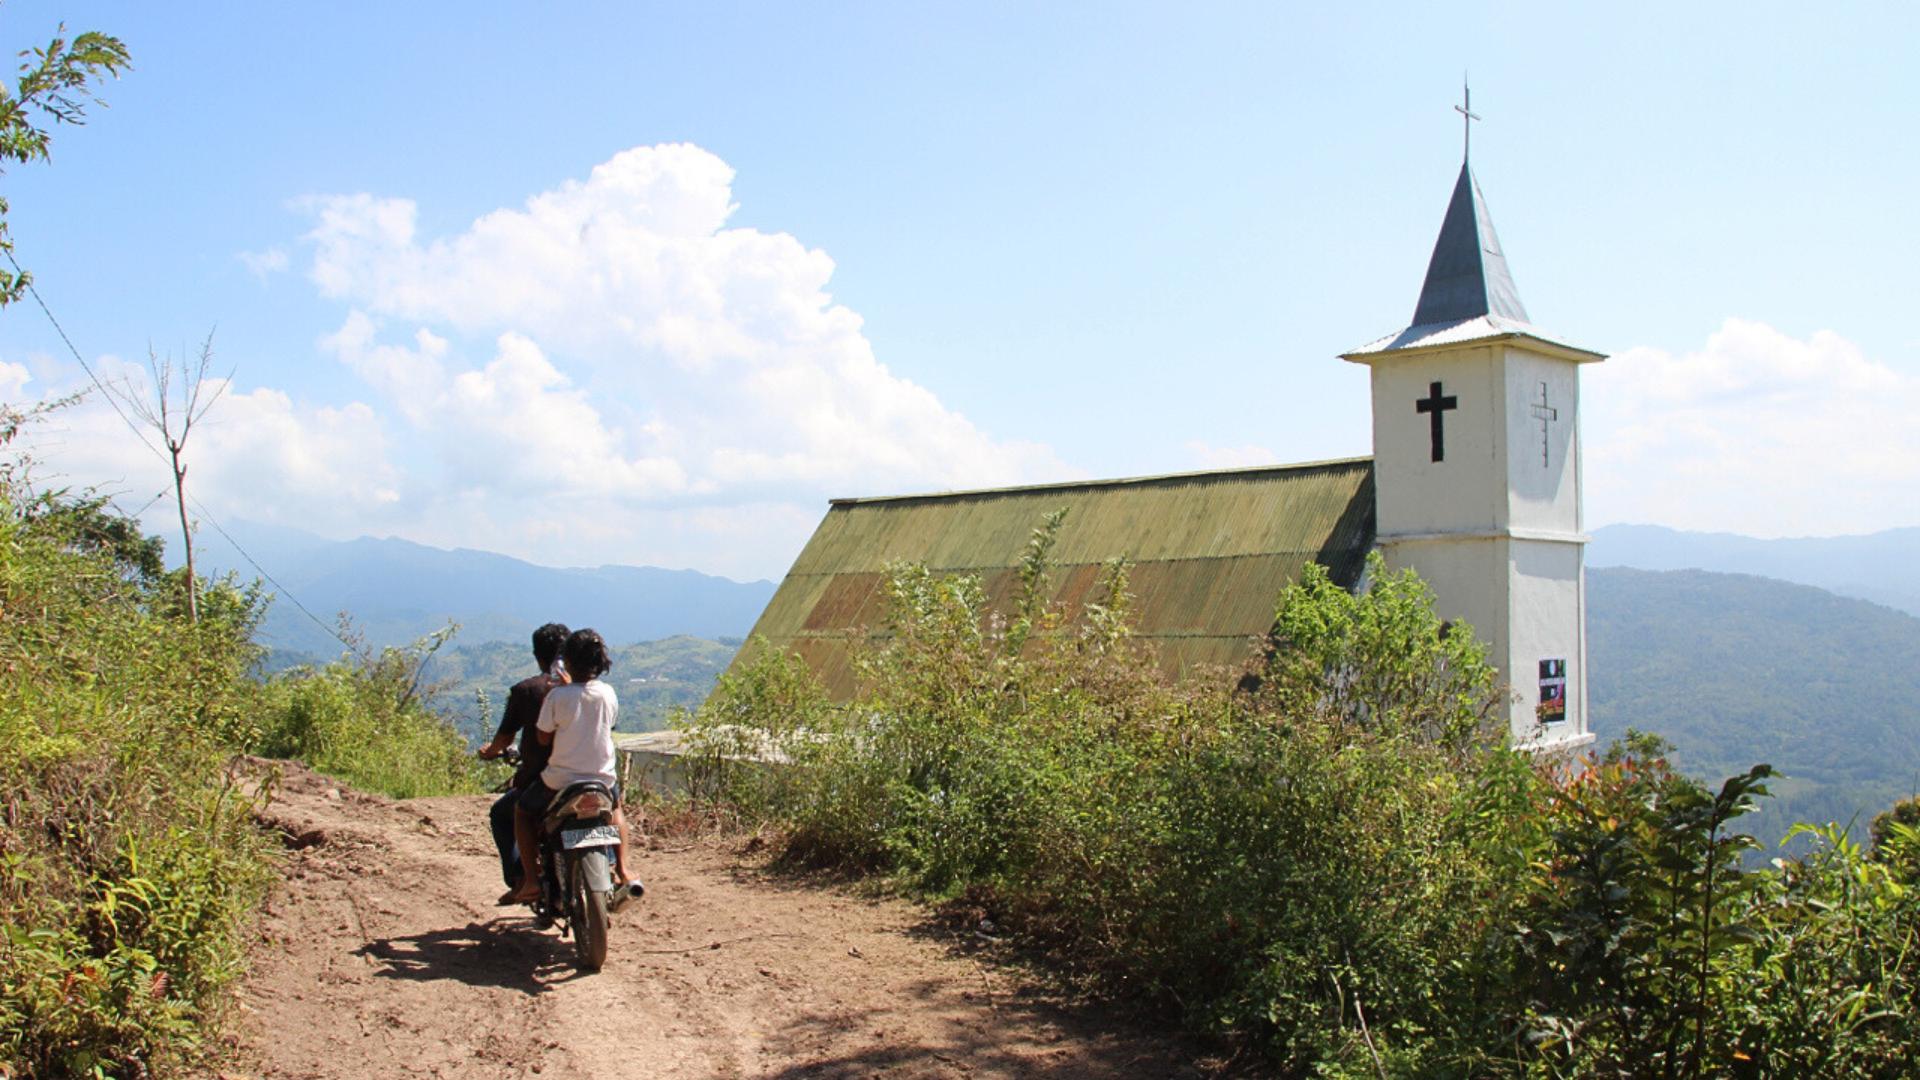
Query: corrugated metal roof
{"points": [[1210, 553]]}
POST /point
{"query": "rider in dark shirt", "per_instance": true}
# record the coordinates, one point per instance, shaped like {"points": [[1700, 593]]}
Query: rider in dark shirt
{"points": [[523, 709]]}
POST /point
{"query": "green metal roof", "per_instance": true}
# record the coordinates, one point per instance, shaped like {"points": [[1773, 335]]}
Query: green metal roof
{"points": [[1209, 553]]}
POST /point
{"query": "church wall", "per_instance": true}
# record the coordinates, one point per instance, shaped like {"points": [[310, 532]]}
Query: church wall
{"points": [[1467, 576], [1548, 606], [1465, 490], [1542, 442]]}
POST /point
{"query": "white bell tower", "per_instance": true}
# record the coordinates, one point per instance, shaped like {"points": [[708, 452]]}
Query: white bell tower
{"points": [[1476, 452]]}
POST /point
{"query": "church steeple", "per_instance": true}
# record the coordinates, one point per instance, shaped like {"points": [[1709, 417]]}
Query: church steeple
{"points": [[1476, 471], [1467, 276]]}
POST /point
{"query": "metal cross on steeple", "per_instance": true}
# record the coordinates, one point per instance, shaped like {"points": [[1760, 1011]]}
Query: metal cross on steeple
{"points": [[1468, 116]]}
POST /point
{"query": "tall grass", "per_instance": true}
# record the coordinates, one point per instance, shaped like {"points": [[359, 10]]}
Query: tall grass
{"points": [[366, 719], [130, 857], [129, 863]]}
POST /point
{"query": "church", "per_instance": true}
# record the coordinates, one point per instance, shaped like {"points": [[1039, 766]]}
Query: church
{"points": [[1474, 483]]}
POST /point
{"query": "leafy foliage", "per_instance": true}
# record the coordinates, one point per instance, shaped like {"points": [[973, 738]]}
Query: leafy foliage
{"points": [[129, 863], [1338, 858], [53, 87], [365, 719]]}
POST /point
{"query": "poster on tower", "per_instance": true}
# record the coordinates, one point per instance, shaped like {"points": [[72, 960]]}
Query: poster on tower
{"points": [[1553, 692]]}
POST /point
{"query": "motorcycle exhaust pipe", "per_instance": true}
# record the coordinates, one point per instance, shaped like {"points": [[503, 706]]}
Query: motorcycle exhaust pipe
{"points": [[623, 894]]}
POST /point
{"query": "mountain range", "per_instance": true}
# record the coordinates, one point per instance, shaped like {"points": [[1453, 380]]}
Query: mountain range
{"points": [[1883, 567], [1803, 653], [1735, 670], [397, 591]]}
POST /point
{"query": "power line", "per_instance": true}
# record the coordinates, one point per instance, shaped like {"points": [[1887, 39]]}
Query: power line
{"points": [[292, 599], [84, 366], [142, 436], [161, 494]]}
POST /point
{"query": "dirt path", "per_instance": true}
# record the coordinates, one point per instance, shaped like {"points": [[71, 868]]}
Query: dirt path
{"points": [[381, 955]]}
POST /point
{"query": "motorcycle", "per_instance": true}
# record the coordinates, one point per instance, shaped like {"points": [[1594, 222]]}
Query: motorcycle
{"points": [[577, 890]]}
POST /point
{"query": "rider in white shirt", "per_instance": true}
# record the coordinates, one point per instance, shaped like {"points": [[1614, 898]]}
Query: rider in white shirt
{"points": [[577, 721]]}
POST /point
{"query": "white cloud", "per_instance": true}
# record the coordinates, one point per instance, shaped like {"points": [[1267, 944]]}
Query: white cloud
{"points": [[263, 264], [640, 349], [1757, 433], [255, 454], [13, 382], [272, 460], [516, 425]]}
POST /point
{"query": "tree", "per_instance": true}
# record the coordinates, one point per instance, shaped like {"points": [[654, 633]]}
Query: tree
{"points": [[53, 88], [172, 417]]}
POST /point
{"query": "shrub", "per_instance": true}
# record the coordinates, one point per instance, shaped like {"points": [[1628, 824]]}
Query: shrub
{"points": [[364, 719], [129, 863], [1339, 858], [1286, 863], [1648, 948]]}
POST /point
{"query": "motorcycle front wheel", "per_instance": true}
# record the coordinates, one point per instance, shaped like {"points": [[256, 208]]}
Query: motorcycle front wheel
{"points": [[588, 912]]}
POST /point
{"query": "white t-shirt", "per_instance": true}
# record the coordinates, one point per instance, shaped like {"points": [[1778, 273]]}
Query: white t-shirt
{"points": [[580, 715]]}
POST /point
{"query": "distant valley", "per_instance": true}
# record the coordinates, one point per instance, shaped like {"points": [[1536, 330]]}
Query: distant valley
{"points": [[1735, 669], [651, 678]]}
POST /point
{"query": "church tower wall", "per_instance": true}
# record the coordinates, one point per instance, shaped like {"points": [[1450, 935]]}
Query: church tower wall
{"points": [[1485, 506]]}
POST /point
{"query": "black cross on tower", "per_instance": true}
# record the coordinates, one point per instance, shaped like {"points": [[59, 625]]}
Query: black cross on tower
{"points": [[1546, 414], [1434, 405]]}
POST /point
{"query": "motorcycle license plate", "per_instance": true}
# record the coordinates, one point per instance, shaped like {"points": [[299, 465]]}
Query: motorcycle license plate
{"points": [[598, 836]]}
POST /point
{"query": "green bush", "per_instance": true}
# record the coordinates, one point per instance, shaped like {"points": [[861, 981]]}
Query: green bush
{"points": [[1338, 857], [129, 862], [364, 719], [1281, 863]]}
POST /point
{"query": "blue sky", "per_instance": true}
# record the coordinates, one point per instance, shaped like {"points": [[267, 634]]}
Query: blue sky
{"points": [[859, 249]]}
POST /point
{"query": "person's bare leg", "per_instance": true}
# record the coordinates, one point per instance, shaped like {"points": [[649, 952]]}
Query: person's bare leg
{"points": [[620, 849], [525, 834]]}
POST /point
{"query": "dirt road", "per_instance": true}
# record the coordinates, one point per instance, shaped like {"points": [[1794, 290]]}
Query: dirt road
{"points": [[382, 954]]}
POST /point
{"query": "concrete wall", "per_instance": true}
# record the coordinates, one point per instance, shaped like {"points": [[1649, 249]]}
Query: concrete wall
{"points": [[1495, 525]]}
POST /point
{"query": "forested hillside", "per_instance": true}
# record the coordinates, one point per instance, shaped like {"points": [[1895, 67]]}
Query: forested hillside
{"points": [[1736, 669], [131, 859], [652, 678], [1883, 567]]}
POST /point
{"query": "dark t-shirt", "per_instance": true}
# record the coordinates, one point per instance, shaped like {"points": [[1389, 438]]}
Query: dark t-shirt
{"points": [[523, 709]]}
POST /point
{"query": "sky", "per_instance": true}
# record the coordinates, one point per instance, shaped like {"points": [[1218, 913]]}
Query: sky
{"points": [[648, 284]]}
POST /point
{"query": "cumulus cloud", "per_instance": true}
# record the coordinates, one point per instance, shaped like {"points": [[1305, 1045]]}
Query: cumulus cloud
{"points": [[516, 425], [256, 454], [1756, 432], [616, 336]]}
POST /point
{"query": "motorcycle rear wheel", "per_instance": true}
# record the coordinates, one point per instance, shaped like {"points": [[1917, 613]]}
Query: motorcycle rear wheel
{"points": [[589, 916]]}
